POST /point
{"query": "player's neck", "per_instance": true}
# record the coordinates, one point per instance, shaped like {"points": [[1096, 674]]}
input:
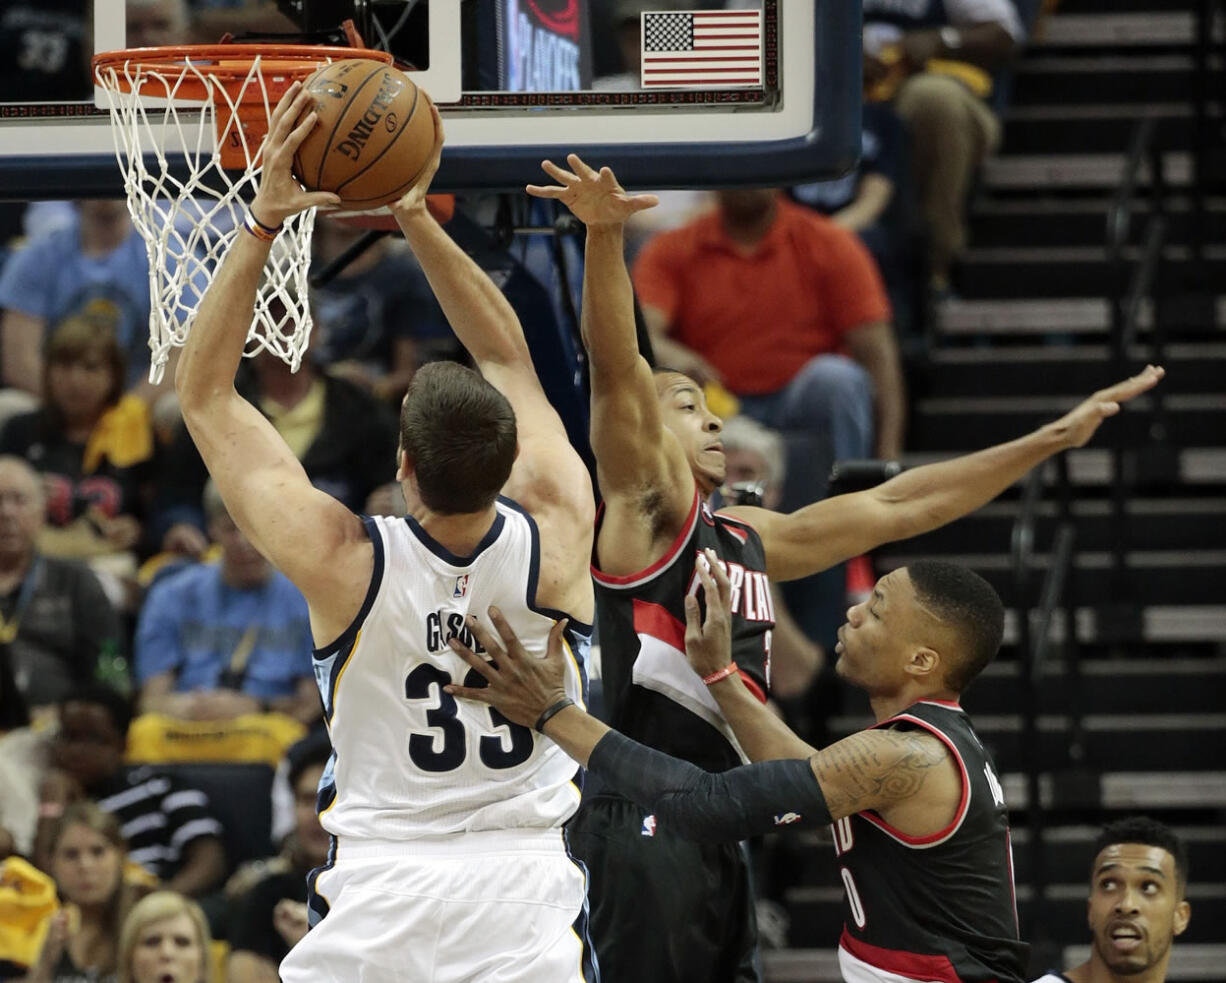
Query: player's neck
{"points": [[459, 533], [887, 705]]}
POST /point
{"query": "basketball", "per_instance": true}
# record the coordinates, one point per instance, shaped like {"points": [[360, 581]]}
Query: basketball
{"points": [[375, 133]]}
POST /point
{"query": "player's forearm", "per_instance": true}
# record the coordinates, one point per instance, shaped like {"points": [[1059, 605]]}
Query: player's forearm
{"points": [[712, 808], [762, 735], [927, 497], [575, 732], [479, 314], [215, 343], [891, 410], [608, 306]]}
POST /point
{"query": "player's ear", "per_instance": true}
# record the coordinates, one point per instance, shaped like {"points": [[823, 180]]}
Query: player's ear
{"points": [[1183, 915], [403, 467], [924, 662]]}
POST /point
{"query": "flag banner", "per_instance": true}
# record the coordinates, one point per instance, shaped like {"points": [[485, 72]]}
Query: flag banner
{"points": [[702, 49]]}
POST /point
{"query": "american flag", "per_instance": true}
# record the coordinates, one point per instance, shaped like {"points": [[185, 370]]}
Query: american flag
{"points": [[702, 49]]}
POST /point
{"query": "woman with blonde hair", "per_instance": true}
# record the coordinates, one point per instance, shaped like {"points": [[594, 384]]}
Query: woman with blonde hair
{"points": [[86, 855], [165, 939]]}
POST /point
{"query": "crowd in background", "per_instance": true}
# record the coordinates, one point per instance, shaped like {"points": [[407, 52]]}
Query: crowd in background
{"points": [[141, 634]]}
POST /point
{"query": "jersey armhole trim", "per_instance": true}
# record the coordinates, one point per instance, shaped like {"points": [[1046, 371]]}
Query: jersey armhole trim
{"points": [[534, 570], [346, 638], [648, 573], [939, 837]]}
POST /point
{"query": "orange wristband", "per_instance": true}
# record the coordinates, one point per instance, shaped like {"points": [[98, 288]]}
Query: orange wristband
{"points": [[259, 229], [723, 673]]}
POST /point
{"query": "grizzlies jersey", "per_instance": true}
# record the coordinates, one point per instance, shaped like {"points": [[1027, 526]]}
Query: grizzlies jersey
{"points": [[651, 693], [937, 907], [409, 760]]}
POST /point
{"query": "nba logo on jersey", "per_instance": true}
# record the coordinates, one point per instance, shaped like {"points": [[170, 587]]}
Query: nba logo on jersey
{"points": [[461, 586], [649, 825]]}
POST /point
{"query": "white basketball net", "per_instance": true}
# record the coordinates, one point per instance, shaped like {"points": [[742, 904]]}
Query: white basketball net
{"points": [[188, 220]]}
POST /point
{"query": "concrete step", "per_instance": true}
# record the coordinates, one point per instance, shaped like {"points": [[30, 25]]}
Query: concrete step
{"points": [[1059, 222], [1069, 369], [1038, 172], [968, 423], [1079, 271], [1079, 317], [1147, 28], [1095, 128], [1152, 577], [1046, 76], [1090, 467]]}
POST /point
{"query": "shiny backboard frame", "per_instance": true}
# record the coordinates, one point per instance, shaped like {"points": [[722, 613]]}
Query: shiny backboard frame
{"points": [[803, 122]]}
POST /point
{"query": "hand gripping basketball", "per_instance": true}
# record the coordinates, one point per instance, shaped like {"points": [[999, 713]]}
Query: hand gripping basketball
{"points": [[594, 197], [415, 197], [280, 195]]}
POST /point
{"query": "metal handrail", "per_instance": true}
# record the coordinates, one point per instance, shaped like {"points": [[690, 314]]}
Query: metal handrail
{"points": [[1033, 645]]}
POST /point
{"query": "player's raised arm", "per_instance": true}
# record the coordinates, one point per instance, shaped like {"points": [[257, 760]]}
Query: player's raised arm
{"points": [[265, 488], [547, 469], [634, 451], [924, 498]]}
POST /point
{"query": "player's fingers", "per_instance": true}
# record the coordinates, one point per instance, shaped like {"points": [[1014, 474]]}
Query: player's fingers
{"points": [[545, 191], [693, 619], [485, 638], [556, 637], [722, 581], [469, 693], [439, 136], [283, 104], [510, 640], [642, 202], [580, 168], [483, 667], [560, 174]]}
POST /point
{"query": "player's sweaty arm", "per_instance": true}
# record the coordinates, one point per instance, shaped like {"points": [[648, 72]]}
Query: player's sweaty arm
{"points": [[634, 452], [263, 485], [920, 499], [480, 315]]}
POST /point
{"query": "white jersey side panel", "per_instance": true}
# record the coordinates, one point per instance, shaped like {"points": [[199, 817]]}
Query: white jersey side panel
{"points": [[409, 760]]}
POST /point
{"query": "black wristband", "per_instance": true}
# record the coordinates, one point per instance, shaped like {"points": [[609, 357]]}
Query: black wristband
{"points": [[270, 229], [557, 708]]}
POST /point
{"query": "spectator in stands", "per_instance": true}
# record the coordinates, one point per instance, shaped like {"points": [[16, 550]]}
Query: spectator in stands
{"points": [[787, 310], [754, 456], [92, 445], [1138, 904], [216, 641], [55, 621], [22, 762], [934, 59], [870, 201], [377, 321], [157, 23], [315, 413], [270, 917], [166, 824], [99, 264], [87, 857], [165, 939]]}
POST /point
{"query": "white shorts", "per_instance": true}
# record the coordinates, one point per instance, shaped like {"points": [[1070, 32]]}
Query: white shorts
{"points": [[494, 907]]}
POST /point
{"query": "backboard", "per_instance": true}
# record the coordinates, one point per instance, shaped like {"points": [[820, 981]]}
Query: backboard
{"points": [[521, 80]]}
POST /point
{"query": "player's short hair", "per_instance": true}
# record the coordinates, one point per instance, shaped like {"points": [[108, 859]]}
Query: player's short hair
{"points": [[459, 434], [314, 750], [1147, 832], [970, 605]]}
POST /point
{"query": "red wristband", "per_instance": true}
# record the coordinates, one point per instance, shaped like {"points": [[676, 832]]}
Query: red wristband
{"points": [[723, 673]]}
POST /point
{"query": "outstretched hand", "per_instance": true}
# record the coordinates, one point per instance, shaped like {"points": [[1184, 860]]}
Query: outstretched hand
{"points": [[1079, 424], [415, 197], [708, 641], [594, 197], [519, 685], [280, 195]]}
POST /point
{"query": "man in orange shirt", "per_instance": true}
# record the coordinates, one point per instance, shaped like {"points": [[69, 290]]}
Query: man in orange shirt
{"points": [[788, 311]]}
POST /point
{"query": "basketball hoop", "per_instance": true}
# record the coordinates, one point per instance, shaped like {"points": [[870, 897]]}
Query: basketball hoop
{"points": [[214, 103]]}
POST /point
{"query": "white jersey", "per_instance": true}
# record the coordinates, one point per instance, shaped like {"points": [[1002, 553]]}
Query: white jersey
{"points": [[409, 760]]}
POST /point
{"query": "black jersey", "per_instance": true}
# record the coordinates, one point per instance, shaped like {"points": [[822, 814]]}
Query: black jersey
{"points": [[938, 907], [650, 691]]}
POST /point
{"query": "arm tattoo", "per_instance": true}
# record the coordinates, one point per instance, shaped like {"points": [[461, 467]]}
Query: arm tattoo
{"points": [[876, 768]]}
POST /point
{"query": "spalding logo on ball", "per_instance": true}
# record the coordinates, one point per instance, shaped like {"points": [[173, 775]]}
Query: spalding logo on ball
{"points": [[374, 136]]}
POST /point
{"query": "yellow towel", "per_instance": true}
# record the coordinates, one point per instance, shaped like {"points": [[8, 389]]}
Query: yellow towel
{"points": [[972, 76], [124, 436]]}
